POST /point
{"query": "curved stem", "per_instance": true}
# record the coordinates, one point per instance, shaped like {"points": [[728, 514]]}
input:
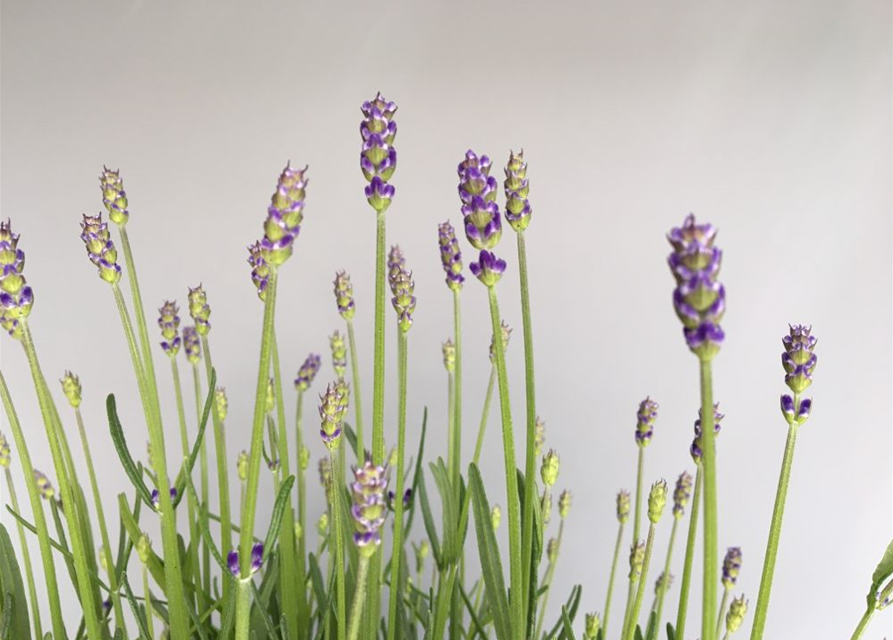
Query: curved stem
{"points": [[617, 546], [640, 592], [516, 595], [759, 618], [665, 583], [359, 595], [711, 559], [357, 397], [863, 623], [685, 587], [397, 548]]}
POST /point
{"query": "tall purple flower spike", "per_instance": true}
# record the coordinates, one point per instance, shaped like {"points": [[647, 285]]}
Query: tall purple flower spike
{"points": [[378, 157], [403, 288], [645, 418], [284, 216], [517, 206], [477, 191], [369, 506], [450, 256], [799, 361], [169, 323], [308, 372], [192, 345], [699, 299], [16, 297], [731, 567]]}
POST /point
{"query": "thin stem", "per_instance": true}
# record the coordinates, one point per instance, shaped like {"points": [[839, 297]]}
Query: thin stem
{"points": [[339, 546], [547, 583], [205, 493], [226, 535], [617, 546], [685, 587], [147, 601], [478, 445], [665, 583], [359, 595], [397, 548], [456, 425], [863, 623], [640, 592], [711, 567], [103, 529], [528, 580], [637, 517], [355, 380], [249, 505], [516, 595], [84, 585], [759, 617], [26, 559], [43, 535], [378, 379], [302, 511], [722, 611]]}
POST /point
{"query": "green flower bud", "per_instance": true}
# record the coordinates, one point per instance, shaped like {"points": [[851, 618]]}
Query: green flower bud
{"points": [[636, 560], [144, 548], [71, 387], [271, 397], [114, 198], [299, 532], [657, 500], [539, 437], [547, 508], [424, 549], [549, 468], [593, 625], [339, 353], [449, 355], [564, 503], [495, 516], [304, 458], [242, 465], [322, 525], [735, 616], [222, 403], [552, 550], [103, 562], [421, 552], [199, 309], [392, 458], [44, 486], [4, 451]]}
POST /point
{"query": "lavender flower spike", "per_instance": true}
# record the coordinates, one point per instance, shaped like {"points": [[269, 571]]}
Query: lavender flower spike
{"points": [[344, 295], [71, 388], [636, 559], [44, 486], [488, 269], [100, 249], [645, 418], [450, 256], [449, 355], [623, 506], [4, 451], [699, 298], [731, 567], [114, 198], [517, 207], [333, 406], [799, 362], [369, 507], [284, 216], [16, 297], [192, 345], [403, 287], [477, 191], [199, 309], [260, 270], [308, 372], [378, 158], [169, 323]]}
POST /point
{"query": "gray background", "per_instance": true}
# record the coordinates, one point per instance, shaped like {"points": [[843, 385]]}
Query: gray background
{"points": [[770, 119]]}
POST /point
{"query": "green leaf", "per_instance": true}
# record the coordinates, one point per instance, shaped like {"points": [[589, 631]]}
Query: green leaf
{"points": [[180, 482], [671, 631], [351, 439], [568, 627], [15, 606], [572, 605], [639, 635], [134, 607], [884, 568], [488, 550], [417, 474], [278, 511], [130, 468], [428, 519], [450, 511]]}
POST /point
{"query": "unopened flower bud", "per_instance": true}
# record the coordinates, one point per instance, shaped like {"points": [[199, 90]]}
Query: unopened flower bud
{"points": [[192, 345], [144, 548], [169, 323], [304, 458], [623, 506], [4, 451], [549, 468], [322, 525], [199, 310], [100, 248], [735, 616], [731, 567], [636, 560], [547, 507], [344, 295], [593, 625], [450, 256], [539, 435], [284, 216], [242, 465], [645, 418], [488, 268], [114, 198], [564, 503], [681, 494], [221, 402], [517, 206], [339, 353], [449, 355], [552, 550], [308, 372], [799, 359], [44, 486], [71, 387], [495, 516], [664, 581], [657, 500]]}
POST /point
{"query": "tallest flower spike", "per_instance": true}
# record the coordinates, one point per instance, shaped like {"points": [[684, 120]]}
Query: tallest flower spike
{"points": [[378, 159], [16, 297], [483, 226], [284, 216]]}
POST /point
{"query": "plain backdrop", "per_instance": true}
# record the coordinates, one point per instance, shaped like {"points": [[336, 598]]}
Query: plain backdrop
{"points": [[770, 119]]}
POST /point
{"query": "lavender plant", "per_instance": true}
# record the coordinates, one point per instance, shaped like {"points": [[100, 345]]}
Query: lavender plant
{"points": [[221, 577]]}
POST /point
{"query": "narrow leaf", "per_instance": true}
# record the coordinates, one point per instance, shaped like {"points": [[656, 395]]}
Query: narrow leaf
{"points": [[130, 468]]}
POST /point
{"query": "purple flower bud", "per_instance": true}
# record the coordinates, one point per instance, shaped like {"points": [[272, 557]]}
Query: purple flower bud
{"points": [[369, 509], [645, 418], [284, 216], [199, 309], [396, 264], [517, 207], [192, 345], [717, 419], [378, 158], [232, 561], [344, 295], [798, 358], [407, 498], [681, 494], [156, 497], [488, 269], [100, 249], [169, 323], [699, 299], [477, 191], [114, 198], [44, 486], [403, 287], [450, 256], [805, 407], [787, 407], [333, 406], [16, 297], [308, 372], [257, 556], [260, 270], [731, 567]]}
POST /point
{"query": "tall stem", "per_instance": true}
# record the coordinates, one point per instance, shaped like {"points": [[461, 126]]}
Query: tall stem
{"points": [[711, 560], [617, 546], [397, 547], [103, 529], [249, 505], [205, 592], [456, 426], [357, 397], [759, 617], [685, 587], [665, 583], [485, 413], [643, 582], [637, 518], [863, 623], [300, 565], [722, 611], [338, 532], [43, 535], [530, 382], [359, 595], [516, 595], [378, 380]]}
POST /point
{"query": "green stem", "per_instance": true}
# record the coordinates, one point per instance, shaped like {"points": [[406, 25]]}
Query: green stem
{"points": [[484, 415], [711, 566], [43, 535], [338, 532], [249, 505], [617, 546], [226, 535], [547, 583], [637, 516], [516, 595], [355, 380], [397, 548], [147, 601], [378, 380], [528, 581], [665, 583], [722, 611], [302, 494], [26, 559], [359, 595], [863, 623], [759, 618], [689, 556], [84, 586], [205, 493], [103, 529], [640, 592], [292, 606], [456, 426]]}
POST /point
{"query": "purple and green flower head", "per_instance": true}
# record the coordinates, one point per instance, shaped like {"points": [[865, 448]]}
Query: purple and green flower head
{"points": [[4, 451], [403, 288], [699, 298], [192, 345], [71, 388], [344, 295], [114, 198], [44, 486], [623, 506], [378, 157], [221, 402], [645, 418], [16, 297], [799, 361], [260, 270], [517, 206], [636, 559], [199, 309], [284, 216], [449, 355], [257, 560], [396, 264], [339, 353], [488, 268], [657, 500], [477, 191], [308, 372], [682, 494], [332, 407], [450, 256], [369, 507], [169, 323], [156, 497], [731, 567], [100, 248]]}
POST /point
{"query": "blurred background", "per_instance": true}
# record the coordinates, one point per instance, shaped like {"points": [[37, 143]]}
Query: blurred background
{"points": [[772, 120]]}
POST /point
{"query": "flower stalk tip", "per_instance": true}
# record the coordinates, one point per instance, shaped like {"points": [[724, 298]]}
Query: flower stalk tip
{"points": [[169, 323], [517, 206], [71, 388], [657, 500], [369, 507], [344, 295], [731, 567], [114, 198], [450, 256], [16, 297], [284, 216], [307, 372], [623, 506], [199, 309], [645, 418], [100, 248], [192, 345], [333, 406], [378, 157], [682, 494]]}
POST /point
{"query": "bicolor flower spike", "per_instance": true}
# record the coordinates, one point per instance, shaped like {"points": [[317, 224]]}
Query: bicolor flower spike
{"points": [[44, 486], [260, 270], [332, 407], [657, 500], [378, 157], [450, 256], [369, 508], [221, 402], [339, 353], [699, 298], [731, 567], [192, 345], [16, 297], [114, 198], [284, 216], [403, 288], [645, 418], [344, 295], [681, 494], [488, 268], [100, 248], [71, 388], [477, 191], [257, 560], [799, 362], [308, 372], [199, 309], [517, 207], [169, 323]]}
